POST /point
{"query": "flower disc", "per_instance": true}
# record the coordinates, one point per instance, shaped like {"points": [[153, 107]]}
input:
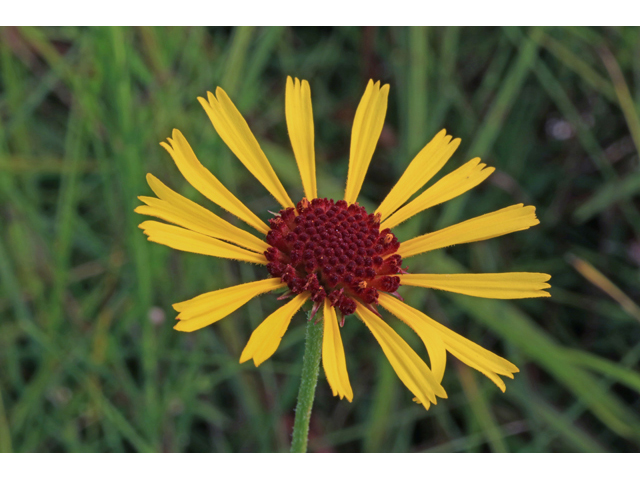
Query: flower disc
{"points": [[335, 250]]}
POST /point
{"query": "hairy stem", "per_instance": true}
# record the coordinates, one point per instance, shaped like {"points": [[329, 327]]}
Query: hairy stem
{"points": [[308, 382]]}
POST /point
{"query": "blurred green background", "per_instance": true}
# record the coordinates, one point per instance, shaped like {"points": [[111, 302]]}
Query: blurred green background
{"points": [[89, 361]]}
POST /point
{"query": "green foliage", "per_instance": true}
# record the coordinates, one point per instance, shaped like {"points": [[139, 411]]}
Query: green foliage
{"points": [[88, 359]]}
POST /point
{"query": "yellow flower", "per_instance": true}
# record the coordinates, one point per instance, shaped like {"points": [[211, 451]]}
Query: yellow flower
{"points": [[334, 253]]}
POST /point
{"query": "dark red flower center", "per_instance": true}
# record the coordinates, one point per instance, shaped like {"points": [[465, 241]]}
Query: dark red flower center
{"points": [[335, 250]]}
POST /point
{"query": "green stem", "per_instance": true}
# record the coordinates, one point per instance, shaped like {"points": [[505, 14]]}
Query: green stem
{"points": [[308, 382]]}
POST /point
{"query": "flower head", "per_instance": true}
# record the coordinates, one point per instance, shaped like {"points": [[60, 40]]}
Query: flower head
{"points": [[334, 254]]}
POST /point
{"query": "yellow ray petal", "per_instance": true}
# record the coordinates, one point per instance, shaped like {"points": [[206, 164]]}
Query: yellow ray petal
{"points": [[188, 241], [300, 125], [333, 360], [422, 168], [456, 183], [465, 350], [367, 127], [206, 183], [210, 307], [173, 207], [409, 367], [266, 338], [429, 335], [485, 285], [471, 362], [490, 225], [235, 132]]}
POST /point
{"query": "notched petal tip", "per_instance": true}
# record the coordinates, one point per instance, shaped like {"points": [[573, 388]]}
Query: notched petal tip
{"points": [[426, 405], [181, 327], [203, 102], [146, 224]]}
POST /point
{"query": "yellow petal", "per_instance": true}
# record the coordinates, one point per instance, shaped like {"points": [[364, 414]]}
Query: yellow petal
{"points": [[266, 338], [333, 360], [188, 241], [206, 183], [210, 307], [490, 225], [409, 367], [173, 207], [465, 350], [485, 285], [367, 127], [456, 183], [473, 363], [429, 335], [422, 168], [235, 132], [300, 124]]}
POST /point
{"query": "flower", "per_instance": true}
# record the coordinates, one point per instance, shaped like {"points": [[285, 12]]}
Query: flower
{"points": [[334, 253]]}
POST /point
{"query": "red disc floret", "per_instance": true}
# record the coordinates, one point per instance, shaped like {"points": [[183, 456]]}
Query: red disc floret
{"points": [[335, 250]]}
